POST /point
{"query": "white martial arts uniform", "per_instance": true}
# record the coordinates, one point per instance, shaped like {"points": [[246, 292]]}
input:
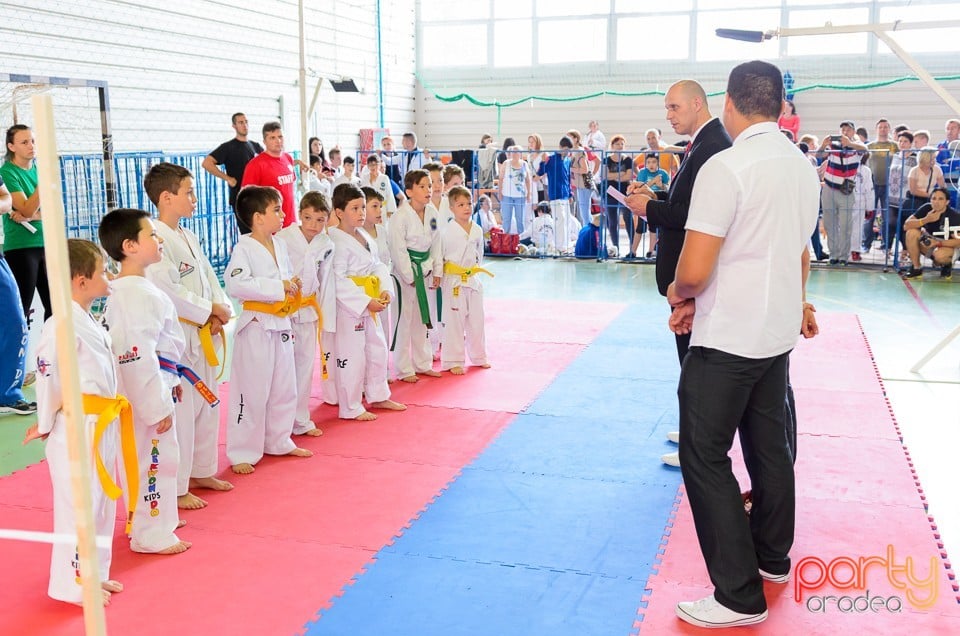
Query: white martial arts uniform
{"points": [[98, 376], [361, 350], [312, 262], [433, 295], [388, 320], [412, 353], [263, 389], [143, 325], [188, 279], [382, 185], [462, 301]]}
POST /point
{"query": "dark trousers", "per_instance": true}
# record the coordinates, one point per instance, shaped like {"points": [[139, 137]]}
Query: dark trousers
{"points": [[613, 223], [29, 267], [719, 394]]}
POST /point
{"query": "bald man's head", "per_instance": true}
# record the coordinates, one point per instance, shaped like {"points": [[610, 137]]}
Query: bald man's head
{"points": [[687, 109]]}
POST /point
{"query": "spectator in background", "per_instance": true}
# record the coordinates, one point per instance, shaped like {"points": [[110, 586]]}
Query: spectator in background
{"points": [[863, 135], [316, 148], [581, 173], [841, 160], [926, 234], [863, 212], [336, 164], [274, 167], [668, 160], [502, 155], [23, 226], [595, 139], [14, 334], [391, 160], [949, 156], [414, 158], [619, 168], [535, 146], [486, 140], [515, 190], [899, 129], [233, 155], [923, 179], [898, 186], [789, 119], [921, 139], [882, 150]]}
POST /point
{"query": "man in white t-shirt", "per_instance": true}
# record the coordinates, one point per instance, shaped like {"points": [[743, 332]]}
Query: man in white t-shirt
{"points": [[738, 291]]}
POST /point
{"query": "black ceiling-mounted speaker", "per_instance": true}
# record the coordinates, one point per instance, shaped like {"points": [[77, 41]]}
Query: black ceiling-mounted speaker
{"points": [[344, 85]]}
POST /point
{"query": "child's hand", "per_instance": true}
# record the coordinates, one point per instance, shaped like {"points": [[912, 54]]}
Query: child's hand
{"points": [[436, 282], [221, 312], [178, 393], [33, 433], [375, 306], [216, 326], [165, 424], [384, 298], [292, 286]]}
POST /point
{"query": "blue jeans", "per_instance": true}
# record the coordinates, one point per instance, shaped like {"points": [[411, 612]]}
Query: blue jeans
{"points": [[583, 204], [13, 338], [512, 206]]}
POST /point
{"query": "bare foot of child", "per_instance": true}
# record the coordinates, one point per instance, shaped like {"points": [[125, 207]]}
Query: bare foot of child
{"points": [[181, 523], [211, 483], [410, 378], [389, 405], [32, 433], [112, 586], [314, 432], [366, 416], [485, 365], [431, 373], [301, 452], [177, 548], [243, 469], [190, 501], [457, 371]]}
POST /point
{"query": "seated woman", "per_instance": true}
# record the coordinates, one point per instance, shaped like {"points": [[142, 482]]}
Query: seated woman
{"points": [[922, 180], [933, 231]]}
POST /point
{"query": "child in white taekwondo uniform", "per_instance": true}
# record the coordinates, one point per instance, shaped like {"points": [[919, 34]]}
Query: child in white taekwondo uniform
{"points": [[311, 256], [413, 236], [462, 247], [188, 279], [101, 405], [263, 391], [360, 350], [375, 225], [147, 340]]}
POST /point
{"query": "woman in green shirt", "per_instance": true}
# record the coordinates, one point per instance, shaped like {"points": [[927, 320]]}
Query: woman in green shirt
{"points": [[22, 228]]}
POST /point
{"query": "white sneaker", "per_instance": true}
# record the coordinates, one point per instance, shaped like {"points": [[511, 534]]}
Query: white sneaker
{"points": [[775, 578], [707, 612], [671, 459], [673, 436]]}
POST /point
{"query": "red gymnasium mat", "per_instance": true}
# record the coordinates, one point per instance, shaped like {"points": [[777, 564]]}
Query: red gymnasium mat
{"points": [[857, 497], [291, 536]]}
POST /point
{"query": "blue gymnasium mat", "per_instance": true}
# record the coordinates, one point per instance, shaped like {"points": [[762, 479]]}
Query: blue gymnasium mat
{"points": [[554, 528]]}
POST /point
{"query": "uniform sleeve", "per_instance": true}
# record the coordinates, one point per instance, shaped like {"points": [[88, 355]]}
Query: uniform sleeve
{"points": [[397, 240], [49, 394], [243, 285], [136, 338], [327, 293], [189, 305], [436, 254]]}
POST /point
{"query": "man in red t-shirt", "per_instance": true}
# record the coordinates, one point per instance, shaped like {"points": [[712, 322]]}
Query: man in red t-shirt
{"points": [[273, 167]]}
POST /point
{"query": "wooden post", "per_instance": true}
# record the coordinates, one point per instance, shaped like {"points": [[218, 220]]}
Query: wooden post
{"points": [[58, 274]]}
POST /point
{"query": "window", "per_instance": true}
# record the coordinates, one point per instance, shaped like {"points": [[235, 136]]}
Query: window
{"points": [[712, 47], [653, 38], [923, 40], [454, 45], [828, 44], [453, 10], [512, 43], [646, 6], [565, 8], [572, 41], [512, 8]]}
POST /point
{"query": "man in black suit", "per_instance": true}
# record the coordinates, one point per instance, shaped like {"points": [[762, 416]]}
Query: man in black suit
{"points": [[688, 113]]}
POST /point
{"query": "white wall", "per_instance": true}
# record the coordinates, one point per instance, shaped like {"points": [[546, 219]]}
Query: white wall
{"points": [[460, 124], [178, 69]]}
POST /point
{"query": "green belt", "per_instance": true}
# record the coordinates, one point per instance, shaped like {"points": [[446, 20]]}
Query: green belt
{"points": [[416, 261]]}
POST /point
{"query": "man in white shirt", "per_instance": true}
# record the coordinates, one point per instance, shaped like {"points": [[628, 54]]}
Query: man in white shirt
{"points": [[595, 140], [738, 291]]}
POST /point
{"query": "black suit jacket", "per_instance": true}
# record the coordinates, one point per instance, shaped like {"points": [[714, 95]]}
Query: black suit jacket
{"points": [[670, 216]]}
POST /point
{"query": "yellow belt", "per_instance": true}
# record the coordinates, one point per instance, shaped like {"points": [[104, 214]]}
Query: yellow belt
{"points": [[464, 273], [311, 301], [107, 410], [370, 285], [206, 343], [287, 307]]}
